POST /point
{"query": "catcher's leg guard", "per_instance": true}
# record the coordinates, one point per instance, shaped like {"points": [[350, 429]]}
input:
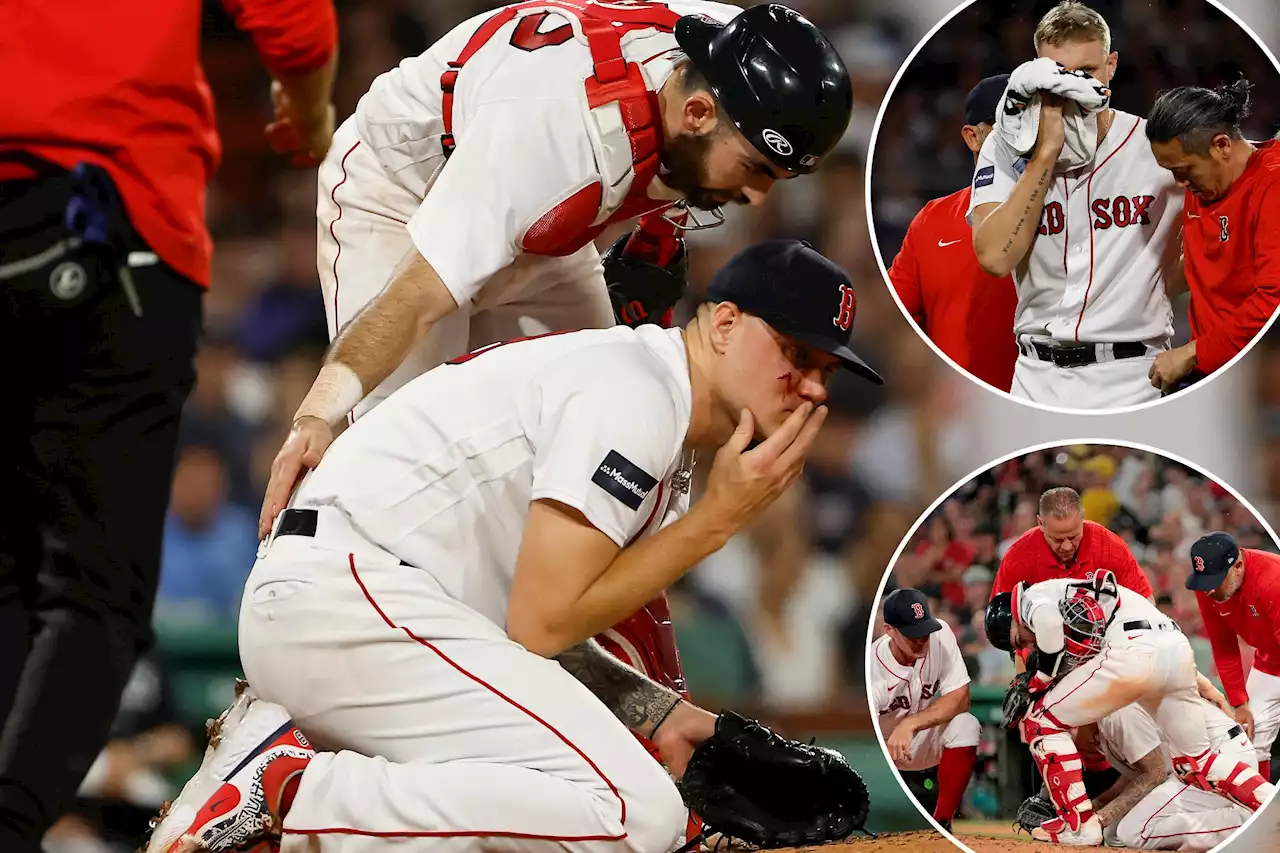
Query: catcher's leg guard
{"points": [[1062, 770], [1236, 781]]}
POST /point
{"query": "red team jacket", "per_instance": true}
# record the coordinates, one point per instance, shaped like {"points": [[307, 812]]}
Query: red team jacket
{"points": [[119, 83], [1030, 560], [1231, 256], [965, 311], [1252, 615]]}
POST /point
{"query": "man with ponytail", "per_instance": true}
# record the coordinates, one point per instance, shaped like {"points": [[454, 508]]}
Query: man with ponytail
{"points": [[1231, 225]]}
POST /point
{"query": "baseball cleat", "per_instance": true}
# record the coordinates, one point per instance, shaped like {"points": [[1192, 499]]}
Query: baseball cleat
{"points": [[1057, 831], [234, 800]]}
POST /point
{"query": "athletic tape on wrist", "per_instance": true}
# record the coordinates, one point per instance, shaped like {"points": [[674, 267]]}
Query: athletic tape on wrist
{"points": [[335, 392]]}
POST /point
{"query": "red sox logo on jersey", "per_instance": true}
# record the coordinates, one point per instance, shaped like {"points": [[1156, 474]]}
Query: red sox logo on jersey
{"points": [[917, 609], [1120, 212], [1223, 236], [844, 317]]}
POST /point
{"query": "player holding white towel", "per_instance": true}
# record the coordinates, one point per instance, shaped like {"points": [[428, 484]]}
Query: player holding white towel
{"points": [[1089, 247]]}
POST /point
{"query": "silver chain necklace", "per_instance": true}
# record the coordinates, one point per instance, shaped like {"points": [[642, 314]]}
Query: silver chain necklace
{"points": [[683, 475]]}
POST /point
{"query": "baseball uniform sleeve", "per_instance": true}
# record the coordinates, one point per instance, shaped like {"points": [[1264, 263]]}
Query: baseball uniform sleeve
{"points": [[1131, 733], [994, 176], [904, 274], [515, 161], [1040, 613], [291, 36], [1220, 345], [1226, 651], [607, 434], [957, 675]]}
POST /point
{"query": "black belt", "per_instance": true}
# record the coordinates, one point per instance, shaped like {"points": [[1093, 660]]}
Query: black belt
{"points": [[1144, 625], [1234, 732], [301, 522], [1078, 355]]}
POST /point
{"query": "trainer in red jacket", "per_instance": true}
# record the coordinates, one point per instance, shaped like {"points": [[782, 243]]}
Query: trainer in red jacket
{"points": [[107, 144]]}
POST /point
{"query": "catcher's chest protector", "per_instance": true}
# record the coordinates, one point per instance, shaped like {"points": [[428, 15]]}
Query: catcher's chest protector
{"points": [[623, 112]]}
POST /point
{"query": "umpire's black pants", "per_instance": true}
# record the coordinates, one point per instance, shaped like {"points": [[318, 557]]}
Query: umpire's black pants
{"points": [[91, 395]]}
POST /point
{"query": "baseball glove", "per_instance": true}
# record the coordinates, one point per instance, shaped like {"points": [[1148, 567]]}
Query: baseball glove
{"points": [[751, 784], [642, 291], [1032, 812], [1017, 701]]}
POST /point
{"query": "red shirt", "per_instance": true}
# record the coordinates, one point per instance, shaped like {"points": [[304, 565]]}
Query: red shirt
{"points": [[1252, 615], [965, 311], [1234, 282], [1031, 560], [119, 83]]}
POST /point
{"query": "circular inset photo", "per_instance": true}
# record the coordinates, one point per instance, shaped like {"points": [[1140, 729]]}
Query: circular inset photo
{"points": [[1074, 203], [1080, 644]]}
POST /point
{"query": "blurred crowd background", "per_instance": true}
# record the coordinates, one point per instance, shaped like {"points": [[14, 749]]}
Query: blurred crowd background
{"points": [[776, 622]]}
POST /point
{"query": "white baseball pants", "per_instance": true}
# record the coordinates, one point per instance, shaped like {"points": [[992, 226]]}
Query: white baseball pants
{"points": [[1264, 701], [1155, 668], [433, 724], [361, 238], [927, 746], [1103, 385], [1178, 816]]}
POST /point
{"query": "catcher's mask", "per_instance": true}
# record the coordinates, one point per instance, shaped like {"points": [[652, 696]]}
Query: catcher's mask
{"points": [[998, 620], [1083, 624]]}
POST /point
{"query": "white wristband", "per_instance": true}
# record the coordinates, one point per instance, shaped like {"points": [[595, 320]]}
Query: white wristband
{"points": [[335, 392]]}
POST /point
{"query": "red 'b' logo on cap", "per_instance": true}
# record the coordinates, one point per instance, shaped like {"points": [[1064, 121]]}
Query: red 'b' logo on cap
{"points": [[1199, 564], [844, 318], [917, 609]]}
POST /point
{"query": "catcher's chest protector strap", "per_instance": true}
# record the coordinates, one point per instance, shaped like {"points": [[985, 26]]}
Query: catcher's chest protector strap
{"points": [[621, 106]]}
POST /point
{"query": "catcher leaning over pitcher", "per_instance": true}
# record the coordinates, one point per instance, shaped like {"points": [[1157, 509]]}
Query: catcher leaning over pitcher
{"points": [[1100, 647]]}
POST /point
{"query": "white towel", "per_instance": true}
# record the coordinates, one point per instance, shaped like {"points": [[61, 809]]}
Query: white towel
{"points": [[1018, 120]]}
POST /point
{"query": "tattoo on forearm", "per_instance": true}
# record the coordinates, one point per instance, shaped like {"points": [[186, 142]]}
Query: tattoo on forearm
{"points": [[1026, 211], [1114, 811], [635, 699]]}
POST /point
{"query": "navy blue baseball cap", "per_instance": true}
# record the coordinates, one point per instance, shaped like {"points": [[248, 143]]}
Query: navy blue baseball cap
{"points": [[984, 99], [907, 610], [1212, 556], [797, 291]]}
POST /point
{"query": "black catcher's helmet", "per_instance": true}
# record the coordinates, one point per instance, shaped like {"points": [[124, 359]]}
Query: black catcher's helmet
{"points": [[778, 77], [999, 621]]}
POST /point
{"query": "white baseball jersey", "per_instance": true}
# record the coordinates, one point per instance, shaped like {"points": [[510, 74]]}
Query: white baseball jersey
{"points": [[1107, 234], [526, 138], [442, 473], [899, 691]]}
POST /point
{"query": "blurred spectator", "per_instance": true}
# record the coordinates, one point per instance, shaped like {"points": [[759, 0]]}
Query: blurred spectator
{"points": [[209, 543]]}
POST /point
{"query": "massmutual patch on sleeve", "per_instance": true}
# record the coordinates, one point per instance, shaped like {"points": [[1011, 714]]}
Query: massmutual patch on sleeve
{"points": [[623, 479], [1020, 165], [984, 177]]}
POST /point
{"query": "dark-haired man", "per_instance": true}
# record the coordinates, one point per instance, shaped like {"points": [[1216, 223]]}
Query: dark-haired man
{"points": [[1231, 225]]}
